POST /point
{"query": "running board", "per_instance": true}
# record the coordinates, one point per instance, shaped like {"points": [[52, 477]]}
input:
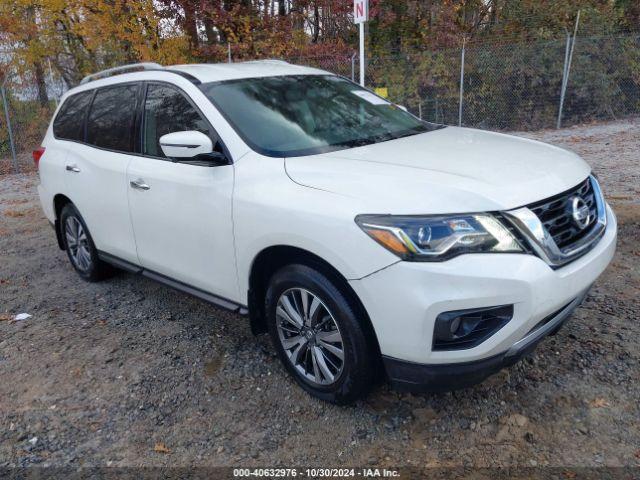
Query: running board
{"points": [[119, 263], [175, 284]]}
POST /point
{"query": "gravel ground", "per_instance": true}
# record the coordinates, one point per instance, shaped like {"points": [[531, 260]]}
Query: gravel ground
{"points": [[130, 373]]}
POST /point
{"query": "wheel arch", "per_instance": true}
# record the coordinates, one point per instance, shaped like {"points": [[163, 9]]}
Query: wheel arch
{"points": [[59, 202], [271, 259]]}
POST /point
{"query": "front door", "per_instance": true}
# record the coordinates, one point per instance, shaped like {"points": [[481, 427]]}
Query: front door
{"points": [[181, 213]]}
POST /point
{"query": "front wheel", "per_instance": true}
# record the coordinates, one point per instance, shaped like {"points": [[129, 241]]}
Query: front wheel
{"points": [[318, 336]]}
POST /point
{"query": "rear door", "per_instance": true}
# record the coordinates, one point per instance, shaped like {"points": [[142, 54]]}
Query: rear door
{"points": [[96, 169], [182, 213], [68, 133]]}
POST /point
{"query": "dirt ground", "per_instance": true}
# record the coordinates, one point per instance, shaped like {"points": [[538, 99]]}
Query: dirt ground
{"points": [[131, 373]]}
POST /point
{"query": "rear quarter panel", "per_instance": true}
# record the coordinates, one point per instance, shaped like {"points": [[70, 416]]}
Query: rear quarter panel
{"points": [[51, 172]]}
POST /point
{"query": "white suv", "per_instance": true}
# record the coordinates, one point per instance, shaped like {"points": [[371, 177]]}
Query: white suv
{"points": [[364, 240]]}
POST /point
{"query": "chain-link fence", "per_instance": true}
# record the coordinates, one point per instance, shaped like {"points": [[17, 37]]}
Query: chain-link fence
{"points": [[508, 86], [504, 86], [345, 65], [28, 116]]}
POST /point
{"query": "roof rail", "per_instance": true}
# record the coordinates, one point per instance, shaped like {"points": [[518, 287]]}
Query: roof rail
{"points": [[123, 69], [277, 61]]}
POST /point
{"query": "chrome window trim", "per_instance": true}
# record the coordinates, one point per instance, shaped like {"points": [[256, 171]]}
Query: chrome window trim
{"points": [[542, 242]]}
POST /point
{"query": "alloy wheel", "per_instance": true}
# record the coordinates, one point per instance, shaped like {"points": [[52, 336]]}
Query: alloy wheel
{"points": [[77, 243], [310, 336]]}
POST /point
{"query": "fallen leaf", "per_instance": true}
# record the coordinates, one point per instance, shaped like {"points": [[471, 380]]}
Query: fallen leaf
{"points": [[569, 474], [5, 317], [599, 403], [638, 454], [161, 448], [517, 420], [14, 213]]}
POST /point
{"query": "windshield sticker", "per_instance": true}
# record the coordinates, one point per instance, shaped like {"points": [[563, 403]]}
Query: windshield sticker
{"points": [[370, 97]]}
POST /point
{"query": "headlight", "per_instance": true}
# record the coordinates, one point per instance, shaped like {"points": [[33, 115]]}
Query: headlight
{"points": [[437, 238]]}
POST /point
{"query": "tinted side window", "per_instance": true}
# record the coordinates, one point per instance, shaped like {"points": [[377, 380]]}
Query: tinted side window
{"points": [[69, 123], [166, 110], [111, 117]]}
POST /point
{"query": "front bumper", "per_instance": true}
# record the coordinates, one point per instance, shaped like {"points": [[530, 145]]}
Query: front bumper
{"points": [[403, 301], [420, 378]]}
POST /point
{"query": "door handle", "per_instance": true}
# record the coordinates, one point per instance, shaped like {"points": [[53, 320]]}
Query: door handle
{"points": [[72, 168], [139, 185]]}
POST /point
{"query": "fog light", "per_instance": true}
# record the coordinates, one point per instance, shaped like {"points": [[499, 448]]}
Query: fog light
{"points": [[455, 324], [462, 329]]}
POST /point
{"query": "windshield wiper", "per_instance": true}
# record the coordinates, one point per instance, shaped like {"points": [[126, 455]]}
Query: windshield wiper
{"points": [[361, 142], [358, 142], [409, 133]]}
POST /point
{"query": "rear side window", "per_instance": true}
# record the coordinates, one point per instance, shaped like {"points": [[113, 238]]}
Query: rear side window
{"points": [[111, 117], [166, 110], [69, 123]]}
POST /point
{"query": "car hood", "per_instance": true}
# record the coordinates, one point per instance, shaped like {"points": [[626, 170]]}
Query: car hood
{"points": [[450, 170]]}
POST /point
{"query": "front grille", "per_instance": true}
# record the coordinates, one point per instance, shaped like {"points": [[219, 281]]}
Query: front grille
{"points": [[556, 215]]}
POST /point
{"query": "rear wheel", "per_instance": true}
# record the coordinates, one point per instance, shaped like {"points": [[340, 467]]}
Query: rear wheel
{"points": [[79, 245], [318, 336]]}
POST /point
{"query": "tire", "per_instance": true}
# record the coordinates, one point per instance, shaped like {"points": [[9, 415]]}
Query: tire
{"points": [[312, 355], [84, 258]]}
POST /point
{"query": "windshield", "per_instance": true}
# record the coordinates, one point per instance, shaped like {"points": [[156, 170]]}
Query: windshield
{"points": [[297, 115]]}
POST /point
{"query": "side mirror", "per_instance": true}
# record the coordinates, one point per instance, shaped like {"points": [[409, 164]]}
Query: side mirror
{"points": [[185, 145]]}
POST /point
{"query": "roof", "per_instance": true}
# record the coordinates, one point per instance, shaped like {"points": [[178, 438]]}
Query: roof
{"points": [[197, 73], [211, 72]]}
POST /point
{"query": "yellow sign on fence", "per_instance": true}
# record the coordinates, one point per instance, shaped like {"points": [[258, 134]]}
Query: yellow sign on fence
{"points": [[382, 91]]}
